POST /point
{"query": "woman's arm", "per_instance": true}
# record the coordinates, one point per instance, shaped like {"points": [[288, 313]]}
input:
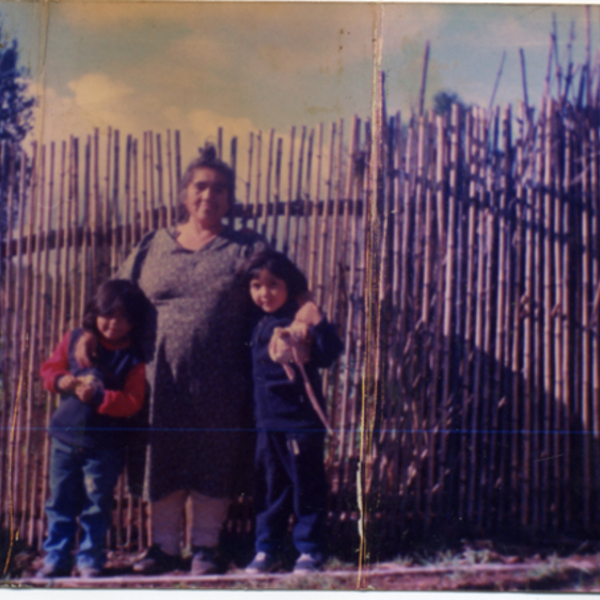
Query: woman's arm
{"points": [[85, 349]]}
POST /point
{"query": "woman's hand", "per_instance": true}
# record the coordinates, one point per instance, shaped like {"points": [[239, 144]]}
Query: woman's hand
{"points": [[308, 315], [66, 383], [85, 349]]}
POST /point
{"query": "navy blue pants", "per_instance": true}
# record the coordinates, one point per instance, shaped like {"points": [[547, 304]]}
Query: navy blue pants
{"points": [[82, 483], [290, 479]]}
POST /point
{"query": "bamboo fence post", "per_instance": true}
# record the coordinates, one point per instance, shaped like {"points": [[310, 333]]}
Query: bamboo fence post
{"points": [[333, 280], [288, 205], [471, 141], [268, 207], [277, 199], [107, 209], [177, 158], [499, 388], [320, 288], [145, 220], [479, 308], [549, 358], [17, 325], [489, 426], [561, 424], [172, 197], [393, 382], [449, 274], [85, 230], [352, 307], [23, 399], [528, 346], [152, 203], [519, 299], [248, 180], [312, 260], [298, 198], [127, 238], [595, 248], [73, 226], [427, 401], [8, 159], [307, 206], [257, 204], [233, 165], [114, 238], [160, 200], [38, 489], [586, 299], [31, 344], [136, 217], [96, 214]]}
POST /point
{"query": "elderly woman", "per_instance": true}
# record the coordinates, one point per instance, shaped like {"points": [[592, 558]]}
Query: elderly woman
{"points": [[198, 365]]}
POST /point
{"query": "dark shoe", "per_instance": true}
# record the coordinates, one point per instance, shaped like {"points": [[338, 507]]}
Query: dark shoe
{"points": [[205, 561], [89, 572], [308, 563], [155, 562], [263, 563], [52, 571]]}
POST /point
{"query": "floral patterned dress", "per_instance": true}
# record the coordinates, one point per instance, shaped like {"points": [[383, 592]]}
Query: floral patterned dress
{"points": [[198, 361]]}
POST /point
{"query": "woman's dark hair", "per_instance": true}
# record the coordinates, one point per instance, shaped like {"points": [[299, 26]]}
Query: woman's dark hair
{"points": [[280, 266], [208, 159], [113, 295]]}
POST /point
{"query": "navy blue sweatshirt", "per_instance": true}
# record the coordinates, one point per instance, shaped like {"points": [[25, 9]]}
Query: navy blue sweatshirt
{"points": [[281, 404], [102, 421]]}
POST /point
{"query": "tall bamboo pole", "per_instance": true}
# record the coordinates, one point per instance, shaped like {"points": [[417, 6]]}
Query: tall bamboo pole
{"points": [[257, 190], [315, 215]]}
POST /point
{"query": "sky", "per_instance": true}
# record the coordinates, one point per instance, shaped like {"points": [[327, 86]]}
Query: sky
{"points": [[195, 66]]}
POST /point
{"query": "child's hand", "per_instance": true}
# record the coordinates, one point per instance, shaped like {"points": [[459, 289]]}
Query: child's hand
{"points": [[85, 391], [66, 383], [299, 330]]}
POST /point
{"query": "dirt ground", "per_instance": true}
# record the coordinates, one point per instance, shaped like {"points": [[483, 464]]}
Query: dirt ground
{"points": [[474, 568]]}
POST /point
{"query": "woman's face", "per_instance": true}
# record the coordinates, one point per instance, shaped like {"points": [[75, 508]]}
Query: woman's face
{"points": [[207, 198]]}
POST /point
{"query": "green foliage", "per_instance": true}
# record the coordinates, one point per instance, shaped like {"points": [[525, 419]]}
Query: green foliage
{"points": [[443, 101]]}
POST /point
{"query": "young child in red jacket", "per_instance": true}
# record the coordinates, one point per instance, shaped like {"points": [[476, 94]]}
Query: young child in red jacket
{"points": [[89, 428]]}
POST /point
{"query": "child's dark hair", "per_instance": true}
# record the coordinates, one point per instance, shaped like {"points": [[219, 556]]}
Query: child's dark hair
{"points": [[112, 295], [280, 266]]}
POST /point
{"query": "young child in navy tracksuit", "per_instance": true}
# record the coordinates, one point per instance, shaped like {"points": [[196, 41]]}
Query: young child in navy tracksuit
{"points": [[89, 428], [290, 475]]}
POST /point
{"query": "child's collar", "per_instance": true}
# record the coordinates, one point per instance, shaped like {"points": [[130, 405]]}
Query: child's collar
{"points": [[114, 346]]}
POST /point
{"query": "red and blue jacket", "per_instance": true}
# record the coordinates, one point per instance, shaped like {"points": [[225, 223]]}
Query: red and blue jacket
{"points": [[103, 421]]}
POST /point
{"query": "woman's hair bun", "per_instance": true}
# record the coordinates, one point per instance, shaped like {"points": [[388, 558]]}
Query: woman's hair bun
{"points": [[208, 153]]}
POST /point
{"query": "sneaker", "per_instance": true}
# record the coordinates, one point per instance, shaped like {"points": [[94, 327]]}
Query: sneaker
{"points": [[52, 571], [308, 563], [89, 572], [263, 563], [205, 561], [155, 562]]}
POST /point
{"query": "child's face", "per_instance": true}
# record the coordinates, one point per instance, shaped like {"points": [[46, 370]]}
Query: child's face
{"points": [[268, 292], [114, 327]]}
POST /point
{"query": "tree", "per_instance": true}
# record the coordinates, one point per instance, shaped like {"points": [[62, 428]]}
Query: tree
{"points": [[16, 119], [443, 101], [16, 107]]}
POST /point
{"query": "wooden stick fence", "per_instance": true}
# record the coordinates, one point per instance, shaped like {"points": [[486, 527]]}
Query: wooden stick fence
{"points": [[458, 255]]}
